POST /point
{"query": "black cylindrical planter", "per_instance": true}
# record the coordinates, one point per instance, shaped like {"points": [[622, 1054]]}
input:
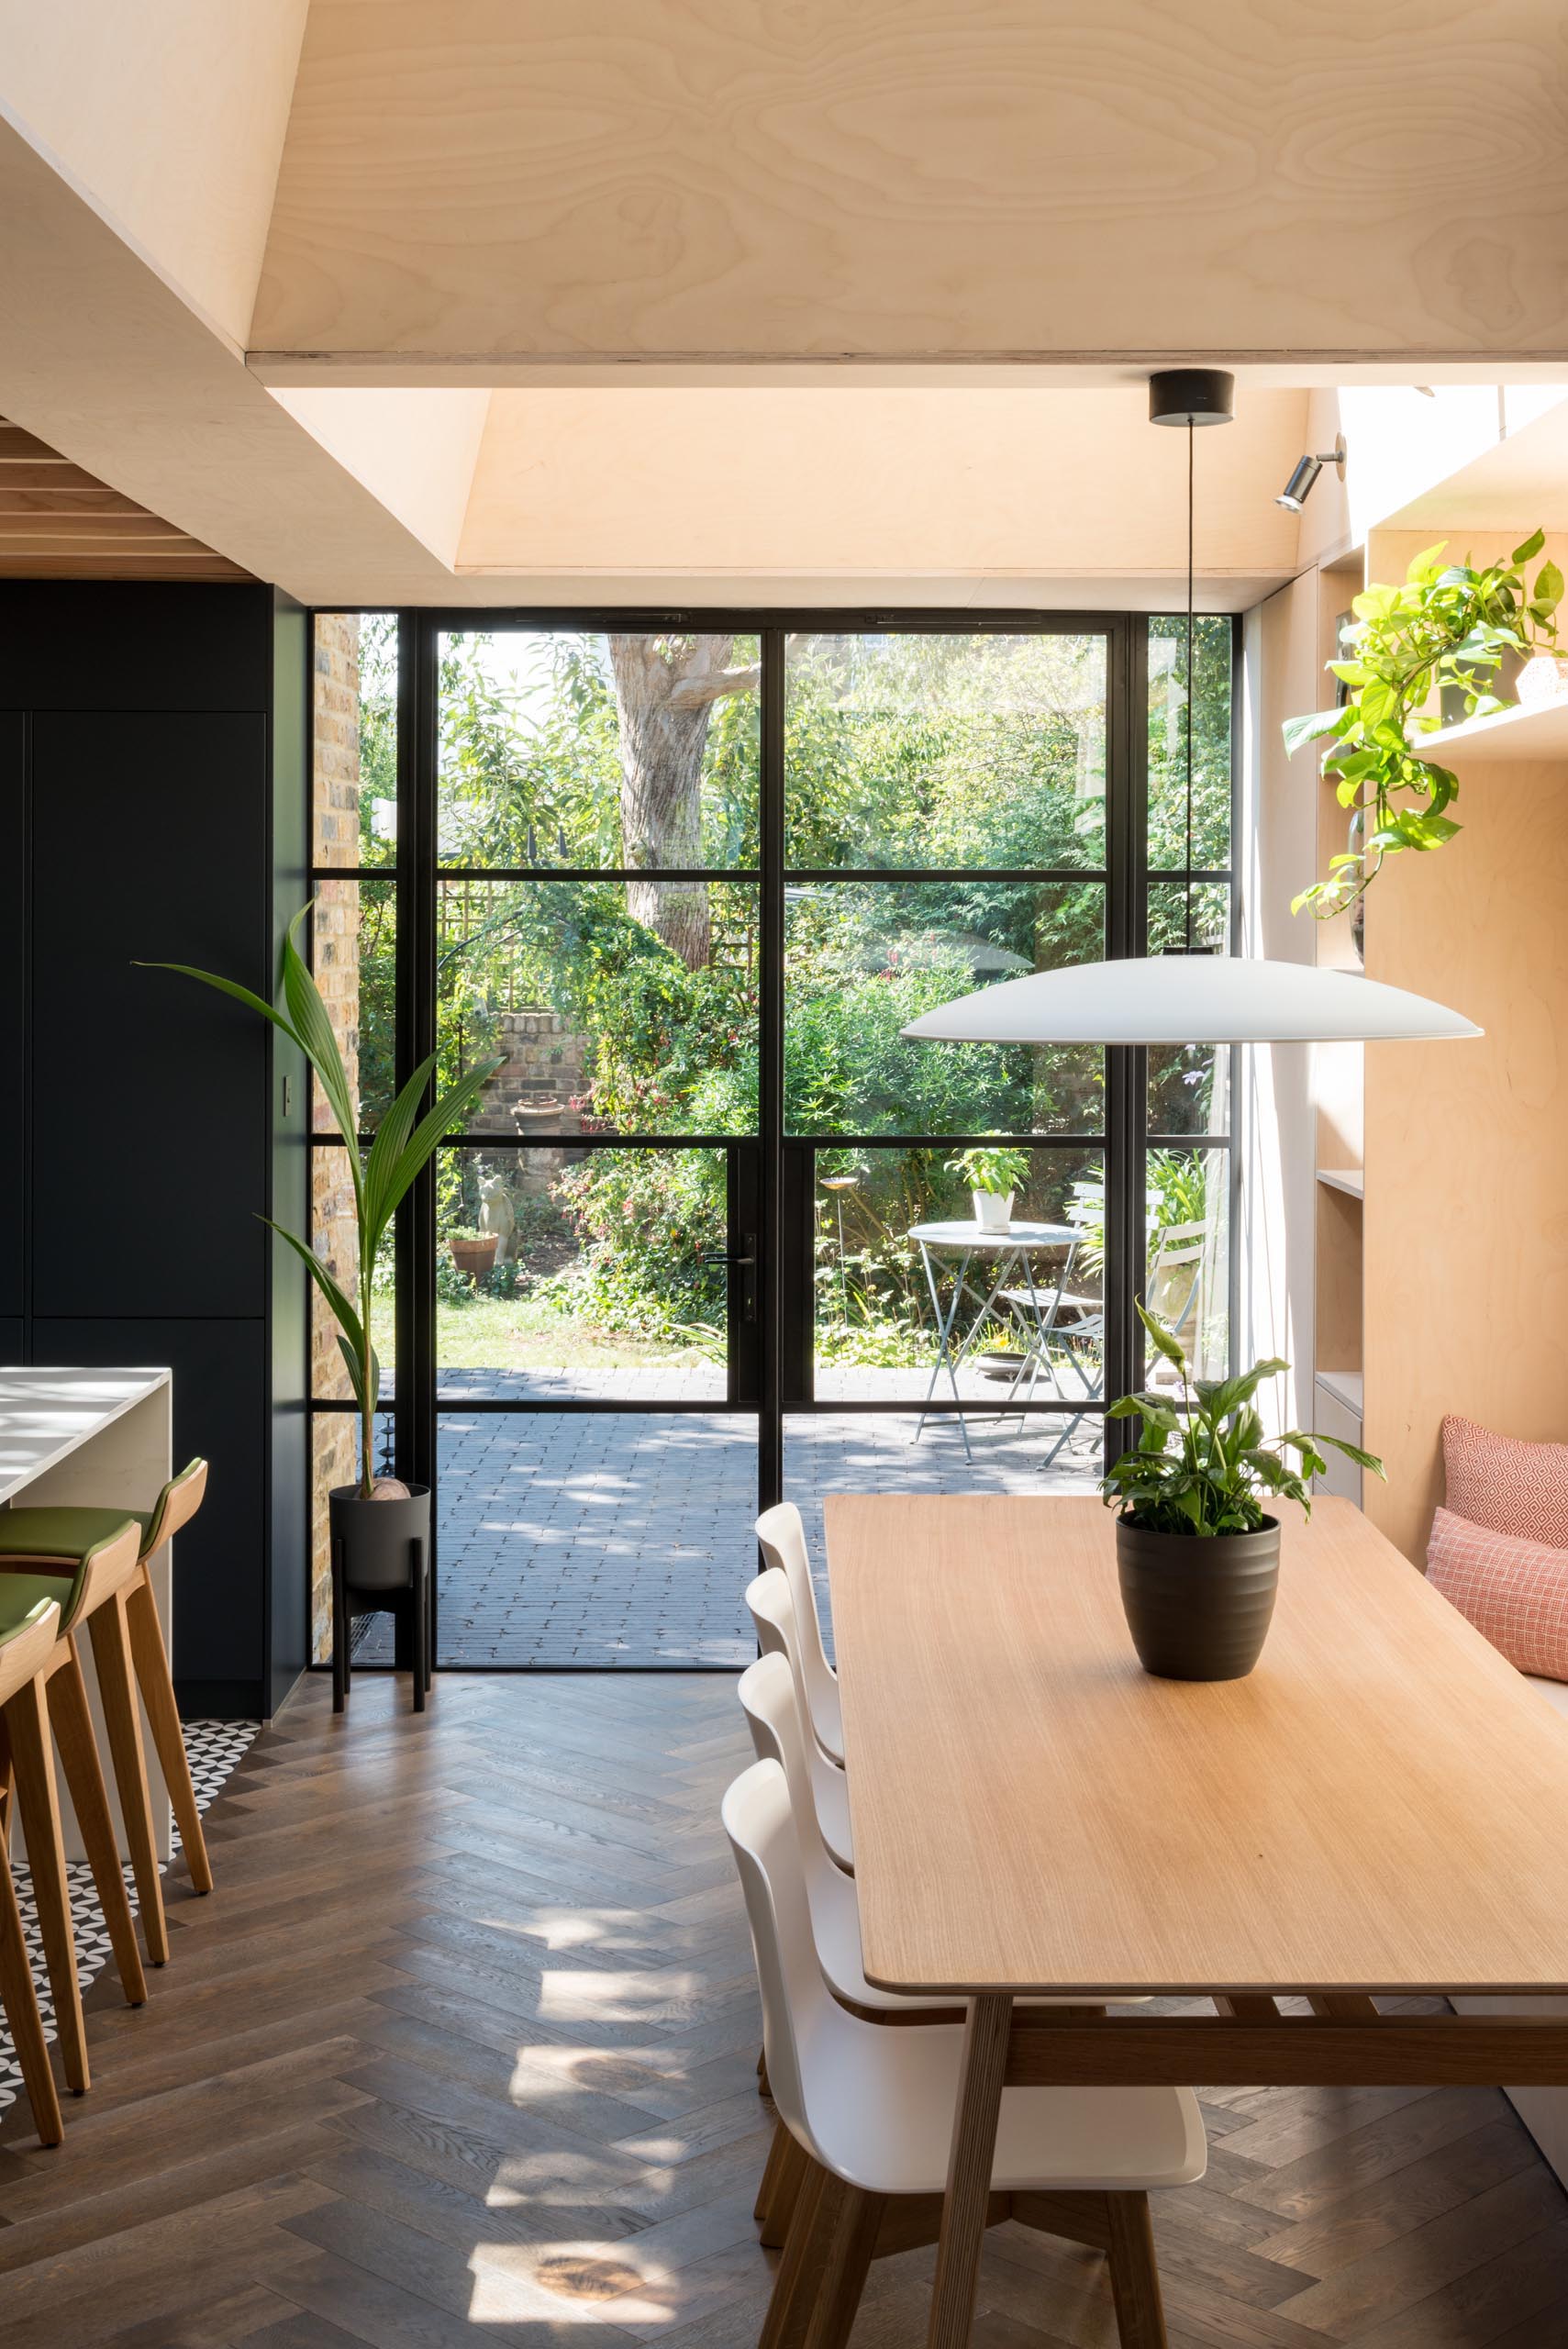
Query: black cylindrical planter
{"points": [[1198, 1606], [375, 1535]]}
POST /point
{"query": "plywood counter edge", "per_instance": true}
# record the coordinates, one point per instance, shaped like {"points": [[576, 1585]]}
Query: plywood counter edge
{"points": [[93, 1420], [1093, 1994]]}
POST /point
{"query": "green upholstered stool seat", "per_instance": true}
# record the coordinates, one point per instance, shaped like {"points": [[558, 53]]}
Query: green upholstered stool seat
{"points": [[20, 1593], [62, 1532]]}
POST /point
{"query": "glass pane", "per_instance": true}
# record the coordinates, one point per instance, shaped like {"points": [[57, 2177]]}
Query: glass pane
{"points": [[335, 1460], [1188, 1278], [598, 1026], [353, 949], [945, 751], [888, 1451], [562, 1272], [861, 958], [354, 732], [1189, 1085], [593, 1538], [335, 1237], [1167, 744], [559, 748], [912, 1299]]}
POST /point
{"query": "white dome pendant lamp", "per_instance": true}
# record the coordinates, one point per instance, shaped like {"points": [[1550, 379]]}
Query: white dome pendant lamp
{"points": [[1188, 995]]}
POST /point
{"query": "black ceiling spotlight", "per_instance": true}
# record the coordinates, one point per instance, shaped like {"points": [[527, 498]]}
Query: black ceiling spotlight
{"points": [[1299, 488]]}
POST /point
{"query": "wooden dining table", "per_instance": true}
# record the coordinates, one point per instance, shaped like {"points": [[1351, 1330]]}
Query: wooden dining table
{"points": [[1377, 1810]]}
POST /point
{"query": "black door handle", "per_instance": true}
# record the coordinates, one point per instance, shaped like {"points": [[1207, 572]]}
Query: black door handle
{"points": [[743, 1260]]}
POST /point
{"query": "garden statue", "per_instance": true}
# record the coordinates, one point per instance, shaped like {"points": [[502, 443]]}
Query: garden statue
{"points": [[496, 1216]]}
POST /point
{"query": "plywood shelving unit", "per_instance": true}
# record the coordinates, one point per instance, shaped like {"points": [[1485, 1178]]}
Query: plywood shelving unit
{"points": [[1464, 1234]]}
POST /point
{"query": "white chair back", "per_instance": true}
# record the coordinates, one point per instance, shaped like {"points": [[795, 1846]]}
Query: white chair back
{"points": [[802, 2025], [772, 1605], [778, 1734], [782, 1538]]}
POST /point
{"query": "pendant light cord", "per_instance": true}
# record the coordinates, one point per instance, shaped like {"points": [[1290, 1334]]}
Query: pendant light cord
{"points": [[1191, 689]]}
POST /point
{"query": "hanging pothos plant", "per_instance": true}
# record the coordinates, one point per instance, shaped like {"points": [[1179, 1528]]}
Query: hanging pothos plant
{"points": [[1450, 624]]}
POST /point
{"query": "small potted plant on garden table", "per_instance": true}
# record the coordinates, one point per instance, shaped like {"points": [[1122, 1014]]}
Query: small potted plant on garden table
{"points": [[1197, 1556], [994, 1176]]}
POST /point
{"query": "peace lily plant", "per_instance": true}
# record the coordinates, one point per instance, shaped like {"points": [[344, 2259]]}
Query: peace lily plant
{"points": [[404, 1145], [1450, 624]]}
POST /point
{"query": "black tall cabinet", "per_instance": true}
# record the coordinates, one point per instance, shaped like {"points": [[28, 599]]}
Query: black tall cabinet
{"points": [[154, 807]]}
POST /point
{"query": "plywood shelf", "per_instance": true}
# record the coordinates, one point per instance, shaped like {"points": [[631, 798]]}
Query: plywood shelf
{"points": [[1510, 736], [1345, 1387], [1348, 1179]]}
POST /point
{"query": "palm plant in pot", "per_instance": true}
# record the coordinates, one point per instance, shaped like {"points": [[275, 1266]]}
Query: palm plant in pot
{"points": [[1197, 1554], [994, 1176], [376, 1519]]}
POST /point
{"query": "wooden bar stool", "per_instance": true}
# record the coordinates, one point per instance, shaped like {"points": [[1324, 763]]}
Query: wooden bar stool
{"points": [[54, 1698], [121, 1617], [25, 1651]]}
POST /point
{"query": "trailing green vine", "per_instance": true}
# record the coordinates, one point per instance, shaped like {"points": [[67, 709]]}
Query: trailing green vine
{"points": [[1449, 624]]}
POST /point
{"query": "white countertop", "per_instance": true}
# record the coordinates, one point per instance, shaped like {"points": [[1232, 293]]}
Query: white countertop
{"points": [[45, 1414]]}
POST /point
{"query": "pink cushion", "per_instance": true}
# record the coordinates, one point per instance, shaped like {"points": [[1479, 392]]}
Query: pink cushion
{"points": [[1516, 1593], [1505, 1483]]}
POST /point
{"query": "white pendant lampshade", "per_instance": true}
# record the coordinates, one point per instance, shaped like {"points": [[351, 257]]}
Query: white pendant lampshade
{"points": [[1192, 999]]}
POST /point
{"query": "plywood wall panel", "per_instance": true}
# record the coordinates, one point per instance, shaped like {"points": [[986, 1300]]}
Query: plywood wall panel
{"points": [[1466, 1214]]}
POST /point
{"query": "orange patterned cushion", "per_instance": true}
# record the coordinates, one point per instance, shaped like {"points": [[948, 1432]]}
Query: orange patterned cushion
{"points": [[1516, 1593], [1503, 1483]]}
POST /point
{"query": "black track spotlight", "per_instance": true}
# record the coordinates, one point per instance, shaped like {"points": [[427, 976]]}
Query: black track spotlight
{"points": [[1299, 488]]}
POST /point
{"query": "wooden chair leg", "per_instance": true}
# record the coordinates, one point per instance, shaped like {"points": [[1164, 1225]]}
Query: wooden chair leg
{"points": [[156, 1682], [773, 2171], [1135, 2274], [843, 2279], [27, 1720], [72, 1721], [782, 2190], [122, 1717], [21, 2009], [805, 2260]]}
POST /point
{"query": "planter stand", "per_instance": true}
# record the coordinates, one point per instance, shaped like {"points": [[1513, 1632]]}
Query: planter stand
{"points": [[380, 1566]]}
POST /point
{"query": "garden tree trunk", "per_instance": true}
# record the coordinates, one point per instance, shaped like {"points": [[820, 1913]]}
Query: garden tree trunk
{"points": [[665, 689]]}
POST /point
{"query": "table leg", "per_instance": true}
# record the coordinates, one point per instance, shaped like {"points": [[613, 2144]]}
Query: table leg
{"points": [[944, 1332], [969, 2170]]}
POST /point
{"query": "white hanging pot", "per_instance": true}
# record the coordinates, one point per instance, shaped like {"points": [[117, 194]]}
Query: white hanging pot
{"points": [[993, 1210]]}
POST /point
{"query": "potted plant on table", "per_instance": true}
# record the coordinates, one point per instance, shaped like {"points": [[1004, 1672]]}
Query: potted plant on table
{"points": [[1197, 1556], [376, 1519], [994, 1176]]}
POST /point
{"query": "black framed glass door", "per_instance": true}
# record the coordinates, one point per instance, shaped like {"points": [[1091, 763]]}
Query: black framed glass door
{"points": [[708, 1239]]}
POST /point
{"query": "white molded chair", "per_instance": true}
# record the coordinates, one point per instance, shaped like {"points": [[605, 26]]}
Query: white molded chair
{"points": [[778, 1634], [782, 1538], [873, 2111]]}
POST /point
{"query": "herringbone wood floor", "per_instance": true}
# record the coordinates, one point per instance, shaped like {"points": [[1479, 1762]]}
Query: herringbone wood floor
{"points": [[461, 2051]]}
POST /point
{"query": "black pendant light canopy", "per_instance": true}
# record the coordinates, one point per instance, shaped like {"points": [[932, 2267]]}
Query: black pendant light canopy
{"points": [[1192, 396]]}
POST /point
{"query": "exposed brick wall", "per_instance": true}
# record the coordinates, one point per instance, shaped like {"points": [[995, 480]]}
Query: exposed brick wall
{"points": [[336, 935]]}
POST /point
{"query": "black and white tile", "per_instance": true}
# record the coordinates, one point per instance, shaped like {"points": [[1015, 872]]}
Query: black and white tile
{"points": [[215, 1749]]}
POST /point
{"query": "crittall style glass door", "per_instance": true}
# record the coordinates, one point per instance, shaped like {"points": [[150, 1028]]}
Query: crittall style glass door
{"points": [[711, 1237]]}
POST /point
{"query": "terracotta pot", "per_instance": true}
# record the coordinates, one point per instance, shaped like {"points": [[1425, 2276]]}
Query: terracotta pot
{"points": [[474, 1257], [1198, 1606]]}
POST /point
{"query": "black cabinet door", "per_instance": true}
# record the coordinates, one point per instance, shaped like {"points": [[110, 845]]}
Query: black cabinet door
{"points": [[220, 1411], [149, 1091]]}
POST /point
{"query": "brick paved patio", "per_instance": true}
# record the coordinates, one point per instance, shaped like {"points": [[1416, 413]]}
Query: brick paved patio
{"points": [[623, 1539]]}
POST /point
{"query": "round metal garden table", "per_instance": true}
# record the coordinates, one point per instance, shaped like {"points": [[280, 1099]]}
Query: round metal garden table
{"points": [[1008, 1263]]}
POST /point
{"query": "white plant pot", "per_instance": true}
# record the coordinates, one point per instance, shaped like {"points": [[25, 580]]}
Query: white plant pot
{"points": [[991, 1211], [1542, 680]]}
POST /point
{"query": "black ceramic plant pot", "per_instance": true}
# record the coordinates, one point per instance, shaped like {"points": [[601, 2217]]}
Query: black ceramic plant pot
{"points": [[1198, 1606], [378, 1536]]}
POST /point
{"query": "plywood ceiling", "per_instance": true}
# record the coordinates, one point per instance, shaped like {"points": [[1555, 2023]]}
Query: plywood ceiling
{"points": [[58, 522], [501, 184]]}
